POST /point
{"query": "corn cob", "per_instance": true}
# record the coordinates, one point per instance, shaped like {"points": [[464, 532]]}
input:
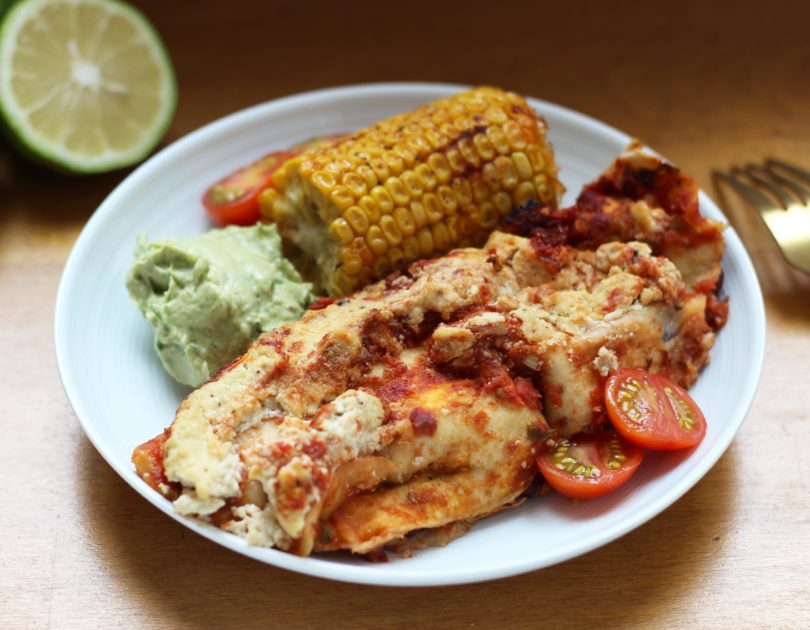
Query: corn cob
{"points": [[413, 186]]}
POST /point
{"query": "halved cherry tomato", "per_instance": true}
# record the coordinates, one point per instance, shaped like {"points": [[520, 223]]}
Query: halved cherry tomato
{"points": [[235, 198], [652, 411], [588, 466]]}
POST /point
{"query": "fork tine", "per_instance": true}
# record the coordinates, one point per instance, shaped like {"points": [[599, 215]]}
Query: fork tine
{"points": [[761, 176], [795, 187], [758, 200], [789, 168]]}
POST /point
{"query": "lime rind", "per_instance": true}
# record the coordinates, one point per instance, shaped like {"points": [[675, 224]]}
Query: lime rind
{"points": [[30, 142]]}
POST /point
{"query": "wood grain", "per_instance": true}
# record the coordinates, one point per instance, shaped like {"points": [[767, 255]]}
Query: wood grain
{"points": [[707, 84]]}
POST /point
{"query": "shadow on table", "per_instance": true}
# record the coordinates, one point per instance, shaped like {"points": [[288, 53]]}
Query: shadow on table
{"points": [[175, 577]]}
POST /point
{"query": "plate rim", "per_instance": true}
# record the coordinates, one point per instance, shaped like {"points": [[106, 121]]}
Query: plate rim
{"points": [[361, 574]]}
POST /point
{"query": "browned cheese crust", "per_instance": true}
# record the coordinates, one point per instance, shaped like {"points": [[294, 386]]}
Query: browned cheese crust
{"points": [[421, 401]]}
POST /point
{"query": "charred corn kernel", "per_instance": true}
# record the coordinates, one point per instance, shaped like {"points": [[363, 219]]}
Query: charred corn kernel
{"points": [[357, 219], [404, 222], [425, 240], [441, 237], [412, 184], [415, 185], [390, 230], [410, 247], [383, 199], [469, 152], [427, 176], [502, 202], [397, 191], [523, 192], [341, 231], [440, 168], [376, 240], [433, 208], [370, 207], [506, 172]]}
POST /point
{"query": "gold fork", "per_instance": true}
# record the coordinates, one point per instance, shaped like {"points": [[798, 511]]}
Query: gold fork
{"points": [[780, 193]]}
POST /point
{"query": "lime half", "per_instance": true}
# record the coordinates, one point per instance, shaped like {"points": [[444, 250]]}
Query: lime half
{"points": [[85, 85]]}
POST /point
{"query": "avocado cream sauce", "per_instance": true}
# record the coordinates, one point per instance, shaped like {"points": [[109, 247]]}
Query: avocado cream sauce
{"points": [[208, 296]]}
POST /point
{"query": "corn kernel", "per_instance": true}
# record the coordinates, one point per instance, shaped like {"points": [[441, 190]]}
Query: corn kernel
{"points": [[383, 199], [370, 207], [418, 213], [496, 115], [351, 261], [425, 240], [381, 266], [502, 202], [523, 193], [404, 221], [480, 189], [462, 190], [340, 231], [389, 228], [489, 215], [467, 226], [440, 168], [397, 190], [324, 181], [441, 237], [536, 158], [484, 147], [447, 199], [490, 176], [355, 183], [522, 165], [266, 200], [507, 172], [468, 151], [380, 168], [412, 184], [396, 256], [498, 139], [427, 176], [452, 228], [407, 156], [342, 197], [342, 283], [410, 247], [394, 162], [357, 220], [515, 135], [456, 161], [376, 240], [361, 247], [433, 208]]}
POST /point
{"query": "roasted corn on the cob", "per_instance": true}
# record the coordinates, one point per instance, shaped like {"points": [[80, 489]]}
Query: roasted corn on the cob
{"points": [[413, 186]]}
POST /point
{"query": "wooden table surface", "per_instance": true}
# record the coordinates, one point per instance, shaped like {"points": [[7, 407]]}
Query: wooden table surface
{"points": [[707, 84]]}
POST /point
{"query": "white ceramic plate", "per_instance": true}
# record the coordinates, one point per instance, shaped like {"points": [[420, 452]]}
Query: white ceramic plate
{"points": [[122, 397]]}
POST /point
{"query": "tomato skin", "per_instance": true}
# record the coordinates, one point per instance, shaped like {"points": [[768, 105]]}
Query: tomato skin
{"points": [[592, 452], [234, 200], [652, 411]]}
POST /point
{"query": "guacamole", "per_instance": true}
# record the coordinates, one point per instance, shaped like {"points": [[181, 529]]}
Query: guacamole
{"points": [[208, 296]]}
